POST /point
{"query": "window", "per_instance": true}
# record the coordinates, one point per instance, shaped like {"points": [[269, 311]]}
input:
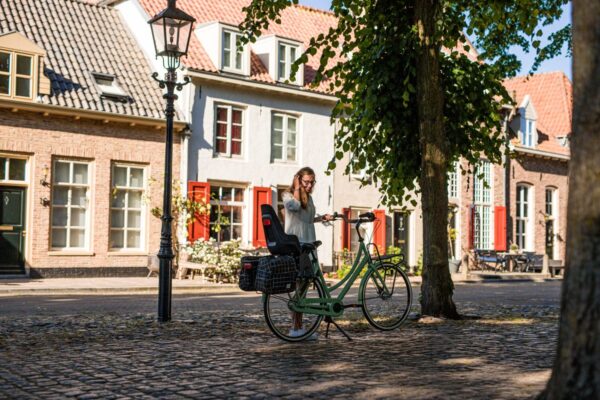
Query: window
{"points": [[286, 56], [522, 219], [13, 169], [528, 133], [16, 75], [280, 206], [226, 212], [70, 210], [229, 123], [285, 130], [551, 221], [232, 56], [109, 87], [483, 205], [355, 173], [127, 211], [366, 230], [453, 180]]}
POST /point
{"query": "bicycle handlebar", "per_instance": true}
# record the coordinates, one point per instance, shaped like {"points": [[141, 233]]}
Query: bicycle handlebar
{"points": [[362, 218]]}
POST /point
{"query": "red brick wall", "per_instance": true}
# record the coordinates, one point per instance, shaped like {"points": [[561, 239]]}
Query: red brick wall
{"points": [[44, 137], [540, 173]]}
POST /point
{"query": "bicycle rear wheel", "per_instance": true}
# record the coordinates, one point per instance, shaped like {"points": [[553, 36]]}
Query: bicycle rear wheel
{"points": [[386, 307], [280, 317]]}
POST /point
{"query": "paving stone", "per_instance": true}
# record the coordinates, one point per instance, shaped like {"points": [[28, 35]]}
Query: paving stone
{"points": [[506, 354]]}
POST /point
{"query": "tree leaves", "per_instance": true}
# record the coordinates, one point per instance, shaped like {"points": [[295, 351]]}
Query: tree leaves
{"points": [[375, 79]]}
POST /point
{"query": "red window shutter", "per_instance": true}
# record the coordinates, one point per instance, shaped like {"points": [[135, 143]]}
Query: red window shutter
{"points": [[262, 195], [200, 225], [471, 227], [500, 228], [379, 230], [346, 227]]}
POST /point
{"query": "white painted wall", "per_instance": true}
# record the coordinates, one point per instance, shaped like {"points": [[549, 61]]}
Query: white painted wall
{"points": [[254, 168]]}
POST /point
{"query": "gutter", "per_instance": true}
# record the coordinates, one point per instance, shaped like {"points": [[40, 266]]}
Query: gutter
{"points": [[269, 87], [18, 105], [540, 153]]}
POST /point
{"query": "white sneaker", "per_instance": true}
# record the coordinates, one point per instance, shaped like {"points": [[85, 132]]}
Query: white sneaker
{"points": [[302, 331], [297, 332]]}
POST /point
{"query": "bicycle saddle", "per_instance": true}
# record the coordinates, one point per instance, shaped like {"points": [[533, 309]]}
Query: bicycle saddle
{"points": [[310, 246]]}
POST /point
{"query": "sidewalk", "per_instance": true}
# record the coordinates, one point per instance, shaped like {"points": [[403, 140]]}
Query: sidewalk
{"points": [[141, 285]]}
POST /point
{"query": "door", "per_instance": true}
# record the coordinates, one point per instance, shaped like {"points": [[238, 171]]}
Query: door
{"points": [[401, 232], [12, 230]]}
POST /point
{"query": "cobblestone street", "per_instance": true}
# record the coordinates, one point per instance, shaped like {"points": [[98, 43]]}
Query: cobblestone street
{"points": [[505, 354]]}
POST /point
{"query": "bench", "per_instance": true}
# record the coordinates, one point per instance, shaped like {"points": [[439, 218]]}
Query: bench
{"points": [[555, 266], [485, 258]]}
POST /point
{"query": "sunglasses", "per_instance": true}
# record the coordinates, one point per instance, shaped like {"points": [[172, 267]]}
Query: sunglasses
{"points": [[306, 183]]}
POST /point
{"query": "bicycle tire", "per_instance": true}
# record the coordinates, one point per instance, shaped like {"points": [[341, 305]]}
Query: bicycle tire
{"points": [[386, 311], [279, 316]]}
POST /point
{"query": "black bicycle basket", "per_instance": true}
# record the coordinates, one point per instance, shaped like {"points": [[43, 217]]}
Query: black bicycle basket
{"points": [[248, 267], [276, 274]]}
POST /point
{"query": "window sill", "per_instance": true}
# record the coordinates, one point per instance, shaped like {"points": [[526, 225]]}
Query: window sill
{"points": [[71, 253], [116, 253]]}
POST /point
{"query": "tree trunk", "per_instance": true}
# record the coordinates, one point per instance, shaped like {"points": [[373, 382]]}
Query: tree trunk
{"points": [[576, 373], [437, 287]]}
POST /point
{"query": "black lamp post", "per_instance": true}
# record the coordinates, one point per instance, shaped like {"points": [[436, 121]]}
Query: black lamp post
{"points": [[171, 32]]}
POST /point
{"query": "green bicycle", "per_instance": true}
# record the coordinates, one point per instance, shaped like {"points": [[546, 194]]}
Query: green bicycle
{"points": [[384, 293]]}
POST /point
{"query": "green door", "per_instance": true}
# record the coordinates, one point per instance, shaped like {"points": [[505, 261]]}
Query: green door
{"points": [[12, 230]]}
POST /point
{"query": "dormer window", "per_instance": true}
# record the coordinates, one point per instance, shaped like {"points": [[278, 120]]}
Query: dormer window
{"points": [[233, 58], [109, 87], [220, 41], [287, 54], [528, 133], [16, 75]]}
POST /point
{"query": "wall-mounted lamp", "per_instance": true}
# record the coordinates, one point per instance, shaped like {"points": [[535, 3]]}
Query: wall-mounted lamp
{"points": [[44, 181]]}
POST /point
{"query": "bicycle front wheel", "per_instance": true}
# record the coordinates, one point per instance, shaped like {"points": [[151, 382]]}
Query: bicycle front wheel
{"points": [[386, 296], [282, 320]]}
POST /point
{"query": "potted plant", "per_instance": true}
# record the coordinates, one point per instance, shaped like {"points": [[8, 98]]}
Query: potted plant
{"points": [[453, 263]]}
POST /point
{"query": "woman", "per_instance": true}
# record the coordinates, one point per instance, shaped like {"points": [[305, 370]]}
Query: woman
{"points": [[300, 218]]}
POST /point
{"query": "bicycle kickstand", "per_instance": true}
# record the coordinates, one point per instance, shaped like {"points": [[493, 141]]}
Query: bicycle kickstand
{"points": [[329, 321]]}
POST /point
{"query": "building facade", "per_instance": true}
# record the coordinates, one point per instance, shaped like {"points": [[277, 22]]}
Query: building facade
{"points": [[81, 143], [253, 125]]}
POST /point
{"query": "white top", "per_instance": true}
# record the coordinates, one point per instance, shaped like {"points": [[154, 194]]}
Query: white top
{"points": [[299, 221]]}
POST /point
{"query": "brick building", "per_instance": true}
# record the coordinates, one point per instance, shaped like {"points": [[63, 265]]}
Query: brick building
{"points": [[525, 200], [81, 143]]}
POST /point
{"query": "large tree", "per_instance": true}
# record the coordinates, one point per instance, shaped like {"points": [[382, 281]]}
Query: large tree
{"points": [[413, 98], [576, 373]]}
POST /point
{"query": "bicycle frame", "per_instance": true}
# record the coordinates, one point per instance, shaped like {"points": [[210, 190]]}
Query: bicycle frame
{"points": [[333, 306]]}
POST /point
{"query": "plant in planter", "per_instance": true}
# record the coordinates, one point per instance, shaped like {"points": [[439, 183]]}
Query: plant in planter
{"points": [[453, 263]]}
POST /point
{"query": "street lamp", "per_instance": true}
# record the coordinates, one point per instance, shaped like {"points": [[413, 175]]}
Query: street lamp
{"points": [[171, 32]]}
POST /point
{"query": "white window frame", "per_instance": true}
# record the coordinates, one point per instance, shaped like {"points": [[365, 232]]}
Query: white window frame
{"points": [[230, 108], [13, 75], [285, 132], [367, 229], [553, 216], [284, 72], [231, 47], [453, 181], [70, 186], [7, 165], [142, 208], [232, 203], [483, 200], [524, 209], [528, 132]]}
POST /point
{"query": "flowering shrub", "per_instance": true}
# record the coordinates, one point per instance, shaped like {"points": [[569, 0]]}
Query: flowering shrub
{"points": [[223, 258]]}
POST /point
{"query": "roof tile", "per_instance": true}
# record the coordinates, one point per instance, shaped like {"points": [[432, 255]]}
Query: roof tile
{"points": [[81, 38], [552, 97]]}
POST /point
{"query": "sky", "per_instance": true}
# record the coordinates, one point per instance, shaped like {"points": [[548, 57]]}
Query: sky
{"points": [[560, 63]]}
